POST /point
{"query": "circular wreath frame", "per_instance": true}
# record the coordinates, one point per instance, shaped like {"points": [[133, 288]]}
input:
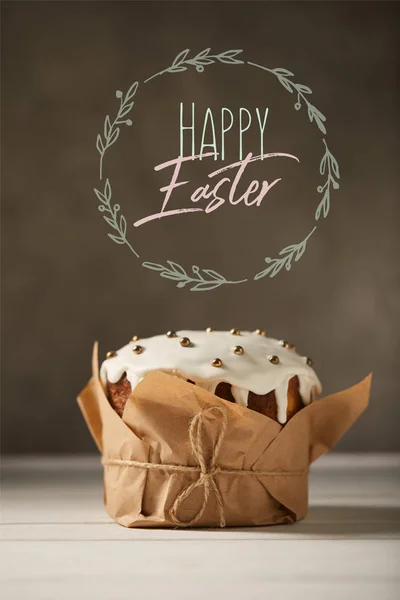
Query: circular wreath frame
{"points": [[199, 279]]}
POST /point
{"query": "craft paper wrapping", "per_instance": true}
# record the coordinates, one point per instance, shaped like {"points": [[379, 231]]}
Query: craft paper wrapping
{"points": [[182, 456]]}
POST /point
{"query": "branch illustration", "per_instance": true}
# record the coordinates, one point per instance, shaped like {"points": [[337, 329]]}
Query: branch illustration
{"points": [[327, 165], [289, 253], [201, 280], [111, 129], [203, 58], [283, 76], [117, 222]]}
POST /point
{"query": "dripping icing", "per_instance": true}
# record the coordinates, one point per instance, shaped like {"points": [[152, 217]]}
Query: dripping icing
{"points": [[241, 395], [249, 371]]}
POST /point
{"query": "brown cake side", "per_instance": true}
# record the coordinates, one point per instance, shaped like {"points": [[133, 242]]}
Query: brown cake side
{"points": [[265, 404]]}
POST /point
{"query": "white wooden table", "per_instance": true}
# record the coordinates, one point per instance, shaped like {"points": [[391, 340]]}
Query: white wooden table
{"points": [[58, 543]]}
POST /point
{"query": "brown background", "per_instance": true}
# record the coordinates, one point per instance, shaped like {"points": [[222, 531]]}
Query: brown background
{"points": [[65, 284]]}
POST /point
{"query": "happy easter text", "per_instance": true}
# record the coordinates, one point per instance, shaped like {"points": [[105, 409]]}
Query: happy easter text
{"points": [[211, 144]]}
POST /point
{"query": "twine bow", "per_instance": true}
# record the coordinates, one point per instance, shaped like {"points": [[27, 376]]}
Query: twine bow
{"points": [[207, 471]]}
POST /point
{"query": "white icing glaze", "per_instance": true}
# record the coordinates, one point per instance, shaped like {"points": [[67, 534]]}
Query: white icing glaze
{"points": [[240, 395], [250, 371], [281, 392]]}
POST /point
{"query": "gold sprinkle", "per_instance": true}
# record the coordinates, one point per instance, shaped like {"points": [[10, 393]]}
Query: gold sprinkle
{"points": [[217, 362], [137, 349], [111, 354], [209, 329], [185, 342], [285, 344], [135, 338], [171, 334], [238, 350], [292, 347], [260, 332], [235, 331], [274, 359], [309, 362]]}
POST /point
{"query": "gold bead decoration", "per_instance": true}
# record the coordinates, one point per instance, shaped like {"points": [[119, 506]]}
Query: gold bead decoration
{"points": [[260, 332], [292, 347], [171, 334], [111, 354], [238, 350], [217, 362], [209, 329], [137, 349], [274, 359], [185, 342], [235, 331], [309, 362], [135, 338], [285, 344]]}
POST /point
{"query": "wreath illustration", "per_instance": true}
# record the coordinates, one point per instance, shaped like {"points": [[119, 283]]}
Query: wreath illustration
{"points": [[200, 279]]}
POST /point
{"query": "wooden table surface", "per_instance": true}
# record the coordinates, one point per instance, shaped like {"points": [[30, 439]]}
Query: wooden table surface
{"points": [[58, 543]]}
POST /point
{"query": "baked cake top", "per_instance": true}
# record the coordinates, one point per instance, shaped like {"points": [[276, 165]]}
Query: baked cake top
{"points": [[248, 361]]}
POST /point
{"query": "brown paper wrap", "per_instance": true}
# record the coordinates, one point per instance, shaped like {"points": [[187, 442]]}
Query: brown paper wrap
{"points": [[180, 456]]}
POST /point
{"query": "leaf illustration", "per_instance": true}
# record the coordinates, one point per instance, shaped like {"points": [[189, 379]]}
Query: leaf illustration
{"points": [[326, 206], [171, 275], [213, 274], [300, 252], [107, 190], [322, 165], [203, 61], [203, 53], [318, 113], [286, 84], [132, 91], [278, 266], [177, 268], [116, 239], [266, 271], [231, 53], [99, 144], [284, 72], [204, 286], [334, 165], [181, 284], [181, 56], [229, 60], [176, 69], [318, 211], [107, 126], [319, 123], [323, 206], [122, 225], [111, 222], [288, 249], [303, 88], [100, 196], [113, 138], [259, 275], [153, 266], [125, 109]]}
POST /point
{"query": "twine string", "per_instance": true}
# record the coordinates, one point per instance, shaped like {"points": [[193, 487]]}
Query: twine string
{"points": [[207, 471]]}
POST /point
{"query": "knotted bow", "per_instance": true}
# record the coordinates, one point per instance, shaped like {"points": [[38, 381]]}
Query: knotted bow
{"points": [[207, 471]]}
